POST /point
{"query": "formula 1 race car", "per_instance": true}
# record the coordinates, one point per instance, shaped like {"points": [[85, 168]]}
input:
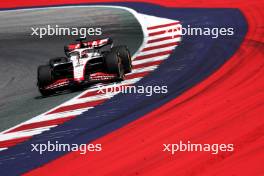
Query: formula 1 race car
{"points": [[86, 62]]}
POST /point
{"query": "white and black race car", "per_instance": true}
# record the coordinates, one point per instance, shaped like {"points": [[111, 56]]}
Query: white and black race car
{"points": [[86, 62]]}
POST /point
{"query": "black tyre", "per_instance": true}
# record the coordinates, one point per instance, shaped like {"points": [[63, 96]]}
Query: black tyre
{"points": [[44, 78], [114, 65], [57, 60], [124, 54]]}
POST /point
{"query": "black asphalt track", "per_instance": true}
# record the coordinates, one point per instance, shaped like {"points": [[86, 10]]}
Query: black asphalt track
{"points": [[21, 53]]}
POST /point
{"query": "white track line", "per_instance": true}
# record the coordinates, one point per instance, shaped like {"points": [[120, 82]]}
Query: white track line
{"points": [[148, 60], [178, 39], [172, 35], [143, 69], [155, 21], [59, 115], [1, 149], [21, 134], [167, 28], [155, 51], [91, 99]]}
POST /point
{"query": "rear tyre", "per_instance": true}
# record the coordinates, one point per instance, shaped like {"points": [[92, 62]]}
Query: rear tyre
{"points": [[114, 65], [123, 52], [44, 79]]}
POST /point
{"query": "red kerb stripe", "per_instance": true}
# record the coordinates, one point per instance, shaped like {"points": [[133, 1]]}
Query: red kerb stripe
{"points": [[136, 75], [161, 46], [163, 25], [157, 33], [146, 64], [13, 142], [163, 38], [77, 106], [153, 55]]}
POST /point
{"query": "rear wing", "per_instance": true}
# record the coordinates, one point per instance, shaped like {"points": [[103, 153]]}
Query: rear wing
{"points": [[95, 44]]}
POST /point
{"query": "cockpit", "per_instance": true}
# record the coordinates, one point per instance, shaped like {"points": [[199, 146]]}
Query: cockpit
{"points": [[81, 53]]}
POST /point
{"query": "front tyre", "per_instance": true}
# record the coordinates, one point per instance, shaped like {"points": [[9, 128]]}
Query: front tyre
{"points": [[114, 65], [123, 52], [44, 79]]}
